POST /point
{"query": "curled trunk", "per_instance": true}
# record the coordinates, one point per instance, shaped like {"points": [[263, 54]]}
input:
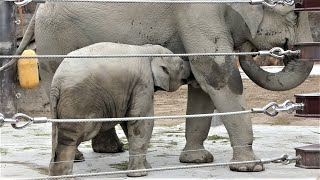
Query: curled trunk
{"points": [[292, 75]]}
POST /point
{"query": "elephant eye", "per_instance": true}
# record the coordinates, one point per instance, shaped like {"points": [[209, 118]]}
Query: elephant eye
{"points": [[181, 68], [165, 69]]}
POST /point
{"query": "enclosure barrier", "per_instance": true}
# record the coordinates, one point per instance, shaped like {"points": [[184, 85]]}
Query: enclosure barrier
{"points": [[284, 159], [253, 2], [275, 52], [271, 109]]}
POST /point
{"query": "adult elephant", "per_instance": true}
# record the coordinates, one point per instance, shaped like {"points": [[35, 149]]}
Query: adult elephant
{"points": [[192, 28]]}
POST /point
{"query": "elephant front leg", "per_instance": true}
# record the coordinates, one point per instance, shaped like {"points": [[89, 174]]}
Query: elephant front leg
{"points": [[239, 128], [111, 144], [139, 135], [222, 81], [197, 129]]}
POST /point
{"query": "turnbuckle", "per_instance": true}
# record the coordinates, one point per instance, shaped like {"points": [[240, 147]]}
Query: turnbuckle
{"points": [[289, 106], [273, 109], [279, 53], [19, 118]]}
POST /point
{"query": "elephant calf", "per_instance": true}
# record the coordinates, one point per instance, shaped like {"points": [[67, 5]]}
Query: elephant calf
{"points": [[109, 88]]}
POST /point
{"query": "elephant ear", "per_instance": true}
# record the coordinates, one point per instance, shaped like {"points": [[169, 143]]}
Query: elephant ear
{"points": [[161, 75], [251, 14]]}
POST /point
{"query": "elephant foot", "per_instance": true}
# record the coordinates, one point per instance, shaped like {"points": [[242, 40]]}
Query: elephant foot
{"points": [[108, 148], [147, 165], [62, 161], [197, 156], [107, 142], [245, 154], [79, 156], [138, 163]]}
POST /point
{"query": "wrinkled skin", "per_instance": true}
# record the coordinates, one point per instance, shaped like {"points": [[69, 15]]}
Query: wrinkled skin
{"points": [[63, 27], [109, 88]]}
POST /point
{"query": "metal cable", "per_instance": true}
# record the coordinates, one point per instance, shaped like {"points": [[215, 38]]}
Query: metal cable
{"points": [[130, 55], [276, 52], [262, 161], [149, 1], [272, 3], [271, 109], [147, 118]]}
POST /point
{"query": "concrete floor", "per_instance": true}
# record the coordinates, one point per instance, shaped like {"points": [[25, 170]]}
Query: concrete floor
{"points": [[26, 153]]}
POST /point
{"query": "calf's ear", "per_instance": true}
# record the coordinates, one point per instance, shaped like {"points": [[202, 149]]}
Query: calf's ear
{"points": [[160, 73]]}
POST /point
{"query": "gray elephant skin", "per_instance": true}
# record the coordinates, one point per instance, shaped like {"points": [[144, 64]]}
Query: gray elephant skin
{"points": [[60, 28], [109, 88]]}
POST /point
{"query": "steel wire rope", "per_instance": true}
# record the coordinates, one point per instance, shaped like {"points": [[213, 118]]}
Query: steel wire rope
{"points": [[263, 161], [146, 1]]}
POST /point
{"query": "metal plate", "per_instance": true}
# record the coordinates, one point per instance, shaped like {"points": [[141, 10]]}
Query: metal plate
{"points": [[307, 5], [311, 103], [309, 51], [310, 156]]}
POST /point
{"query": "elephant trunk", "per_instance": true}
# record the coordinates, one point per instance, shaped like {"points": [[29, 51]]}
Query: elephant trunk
{"points": [[292, 75]]}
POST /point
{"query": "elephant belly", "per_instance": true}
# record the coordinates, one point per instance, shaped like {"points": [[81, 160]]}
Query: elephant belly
{"points": [[70, 133], [92, 129]]}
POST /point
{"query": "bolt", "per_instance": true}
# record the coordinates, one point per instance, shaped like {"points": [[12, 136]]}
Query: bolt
{"points": [[18, 95]]}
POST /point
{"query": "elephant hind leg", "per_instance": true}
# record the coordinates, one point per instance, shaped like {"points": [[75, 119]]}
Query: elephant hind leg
{"points": [[66, 141], [62, 162], [107, 141]]}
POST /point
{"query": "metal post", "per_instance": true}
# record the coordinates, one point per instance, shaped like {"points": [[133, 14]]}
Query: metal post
{"points": [[8, 46]]}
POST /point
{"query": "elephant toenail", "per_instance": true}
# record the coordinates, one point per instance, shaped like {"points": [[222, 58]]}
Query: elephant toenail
{"points": [[258, 167], [243, 169]]}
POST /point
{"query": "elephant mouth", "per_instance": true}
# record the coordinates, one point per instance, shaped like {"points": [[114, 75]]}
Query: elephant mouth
{"points": [[157, 88]]}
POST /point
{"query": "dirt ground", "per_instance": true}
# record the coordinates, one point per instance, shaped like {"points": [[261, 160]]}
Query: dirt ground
{"points": [[257, 97]]}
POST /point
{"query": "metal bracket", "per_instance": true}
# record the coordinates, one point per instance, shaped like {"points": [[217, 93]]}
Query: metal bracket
{"points": [[286, 159]]}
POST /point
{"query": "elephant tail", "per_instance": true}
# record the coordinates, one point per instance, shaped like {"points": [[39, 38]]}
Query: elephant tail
{"points": [[29, 34], [27, 38], [54, 99]]}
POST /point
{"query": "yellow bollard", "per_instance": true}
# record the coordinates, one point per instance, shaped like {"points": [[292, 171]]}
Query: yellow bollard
{"points": [[28, 70]]}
